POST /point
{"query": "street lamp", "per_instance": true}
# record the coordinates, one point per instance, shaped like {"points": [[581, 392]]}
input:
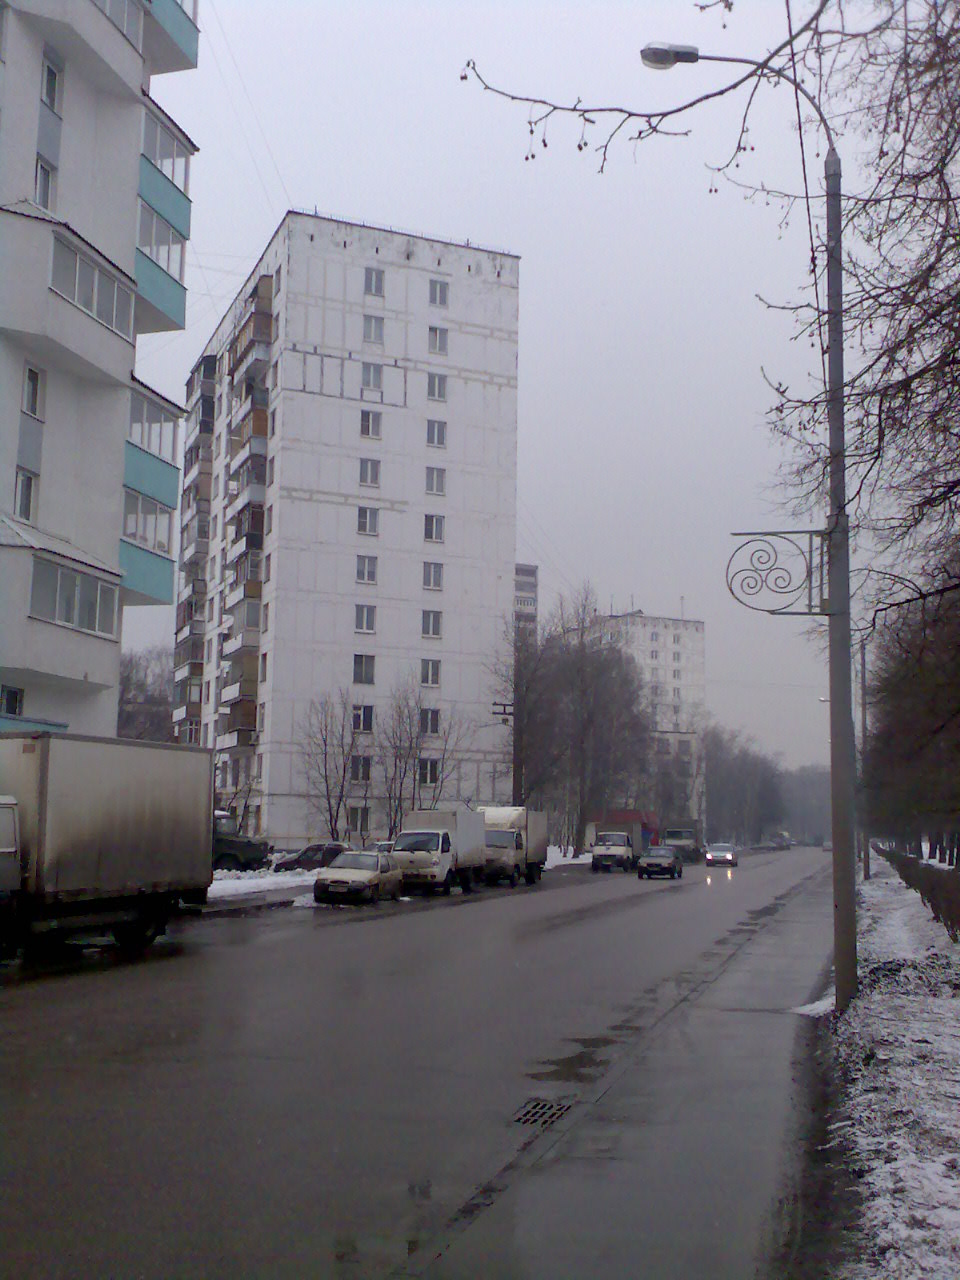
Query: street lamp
{"points": [[661, 57]]}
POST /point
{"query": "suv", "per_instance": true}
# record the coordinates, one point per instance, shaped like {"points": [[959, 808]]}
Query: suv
{"points": [[231, 850], [612, 849]]}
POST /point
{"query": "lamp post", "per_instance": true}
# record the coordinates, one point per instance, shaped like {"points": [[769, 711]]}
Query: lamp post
{"points": [[662, 57]]}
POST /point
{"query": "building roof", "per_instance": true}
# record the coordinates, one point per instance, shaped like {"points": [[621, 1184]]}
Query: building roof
{"points": [[22, 536]]}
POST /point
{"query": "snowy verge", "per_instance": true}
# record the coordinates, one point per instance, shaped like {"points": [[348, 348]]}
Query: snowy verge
{"points": [[557, 857], [241, 884], [899, 1056]]}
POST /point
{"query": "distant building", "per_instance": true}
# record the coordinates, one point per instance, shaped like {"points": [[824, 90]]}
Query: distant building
{"points": [[671, 656], [94, 219], [349, 515], [526, 598]]}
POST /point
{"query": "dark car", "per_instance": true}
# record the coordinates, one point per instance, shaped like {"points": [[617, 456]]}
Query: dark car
{"points": [[311, 858]]}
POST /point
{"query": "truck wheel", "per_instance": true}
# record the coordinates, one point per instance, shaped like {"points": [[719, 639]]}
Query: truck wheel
{"points": [[594, 868], [375, 895], [514, 877], [448, 883], [466, 883], [134, 936], [531, 876]]}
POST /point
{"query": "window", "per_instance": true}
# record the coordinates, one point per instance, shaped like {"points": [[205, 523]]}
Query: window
{"points": [[370, 472], [437, 341], [366, 568], [93, 289], [267, 560], [365, 617], [676, 655], [368, 520], [436, 433], [34, 385], [76, 599], [654, 655], [363, 718], [429, 721], [373, 329], [26, 494], [263, 666], [433, 528], [363, 668], [164, 150], [161, 242], [654, 636], [11, 700], [44, 185], [147, 522], [271, 470], [436, 480], [373, 281], [370, 423], [436, 386], [51, 86], [273, 422], [265, 615], [676, 673], [154, 428], [429, 772], [359, 768], [371, 376], [268, 519], [277, 280], [430, 625], [433, 575], [430, 671], [439, 293], [358, 818]]}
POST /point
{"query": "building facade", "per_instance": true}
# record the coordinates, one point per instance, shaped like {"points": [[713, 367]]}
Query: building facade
{"points": [[349, 517], [670, 654], [94, 218], [526, 598]]}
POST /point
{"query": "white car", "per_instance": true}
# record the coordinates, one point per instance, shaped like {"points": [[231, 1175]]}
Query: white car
{"points": [[354, 876], [721, 855]]}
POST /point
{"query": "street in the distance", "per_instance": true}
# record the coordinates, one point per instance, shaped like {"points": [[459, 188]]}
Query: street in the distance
{"points": [[342, 1092]]}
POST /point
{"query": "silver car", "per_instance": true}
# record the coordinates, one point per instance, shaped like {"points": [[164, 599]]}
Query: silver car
{"points": [[660, 860], [720, 855]]}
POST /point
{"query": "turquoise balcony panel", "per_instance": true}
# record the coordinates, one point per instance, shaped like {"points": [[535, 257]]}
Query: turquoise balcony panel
{"points": [[165, 197], [146, 473], [161, 300], [170, 37], [147, 577], [25, 724]]}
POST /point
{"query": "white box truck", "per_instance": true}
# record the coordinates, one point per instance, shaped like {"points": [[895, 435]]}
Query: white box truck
{"points": [[516, 840], [437, 848], [100, 835]]}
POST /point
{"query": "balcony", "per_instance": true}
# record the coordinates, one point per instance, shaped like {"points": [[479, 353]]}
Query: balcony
{"points": [[240, 690], [197, 462], [252, 426], [170, 35], [244, 641], [147, 575], [251, 493], [161, 300], [252, 540], [188, 670], [189, 711], [194, 627], [195, 542], [250, 351], [248, 590]]}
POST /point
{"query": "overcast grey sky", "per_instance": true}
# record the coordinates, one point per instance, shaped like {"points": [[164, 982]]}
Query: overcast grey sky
{"points": [[642, 438]]}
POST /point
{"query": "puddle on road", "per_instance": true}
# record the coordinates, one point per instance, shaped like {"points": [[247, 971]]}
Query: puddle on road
{"points": [[576, 1068]]}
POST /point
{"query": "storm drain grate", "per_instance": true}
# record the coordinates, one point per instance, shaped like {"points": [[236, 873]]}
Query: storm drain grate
{"points": [[541, 1112]]}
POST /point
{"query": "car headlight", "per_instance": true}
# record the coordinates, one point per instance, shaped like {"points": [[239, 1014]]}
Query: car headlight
{"points": [[435, 860]]}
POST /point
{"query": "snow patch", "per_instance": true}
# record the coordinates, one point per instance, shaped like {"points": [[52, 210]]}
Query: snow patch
{"points": [[237, 884], [819, 1008]]}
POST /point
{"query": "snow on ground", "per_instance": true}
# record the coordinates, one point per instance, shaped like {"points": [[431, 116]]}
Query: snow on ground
{"points": [[557, 857], [899, 1058], [237, 884]]}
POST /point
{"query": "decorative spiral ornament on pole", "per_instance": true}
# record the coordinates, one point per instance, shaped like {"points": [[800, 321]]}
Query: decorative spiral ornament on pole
{"points": [[775, 572]]}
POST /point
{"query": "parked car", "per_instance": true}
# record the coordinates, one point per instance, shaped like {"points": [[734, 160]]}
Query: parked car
{"points": [[721, 855], [233, 851], [312, 857], [660, 860], [383, 846], [355, 876]]}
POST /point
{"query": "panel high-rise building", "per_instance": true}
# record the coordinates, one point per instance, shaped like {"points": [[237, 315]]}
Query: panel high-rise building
{"points": [[349, 526], [94, 219]]}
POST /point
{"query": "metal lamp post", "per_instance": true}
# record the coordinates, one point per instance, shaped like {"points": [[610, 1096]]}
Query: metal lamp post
{"points": [[836, 603]]}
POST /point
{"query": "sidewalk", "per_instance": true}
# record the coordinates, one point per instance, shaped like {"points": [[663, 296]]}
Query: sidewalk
{"points": [[898, 1052]]}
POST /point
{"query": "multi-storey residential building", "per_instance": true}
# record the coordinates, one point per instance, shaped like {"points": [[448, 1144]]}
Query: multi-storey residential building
{"points": [[349, 509], [670, 654], [94, 217]]}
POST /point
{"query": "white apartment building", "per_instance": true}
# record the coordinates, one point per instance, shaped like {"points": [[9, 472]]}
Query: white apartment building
{"points": [[349, 514], [94, 217], [671, 656]]}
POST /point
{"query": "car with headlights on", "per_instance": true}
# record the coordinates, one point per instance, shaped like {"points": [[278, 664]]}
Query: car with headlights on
{"points": [[356, 876], [660, 860], [720, 855]]}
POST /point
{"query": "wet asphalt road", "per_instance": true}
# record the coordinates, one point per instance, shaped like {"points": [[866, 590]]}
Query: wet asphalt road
{"points": [[335, 1092]]}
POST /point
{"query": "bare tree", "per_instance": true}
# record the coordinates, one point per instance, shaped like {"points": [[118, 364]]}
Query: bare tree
{"points": [[328, 741], [146, 695], [397, 745]]}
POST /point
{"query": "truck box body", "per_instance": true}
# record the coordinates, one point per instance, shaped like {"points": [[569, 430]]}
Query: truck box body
{"points": [[105, 818]]}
